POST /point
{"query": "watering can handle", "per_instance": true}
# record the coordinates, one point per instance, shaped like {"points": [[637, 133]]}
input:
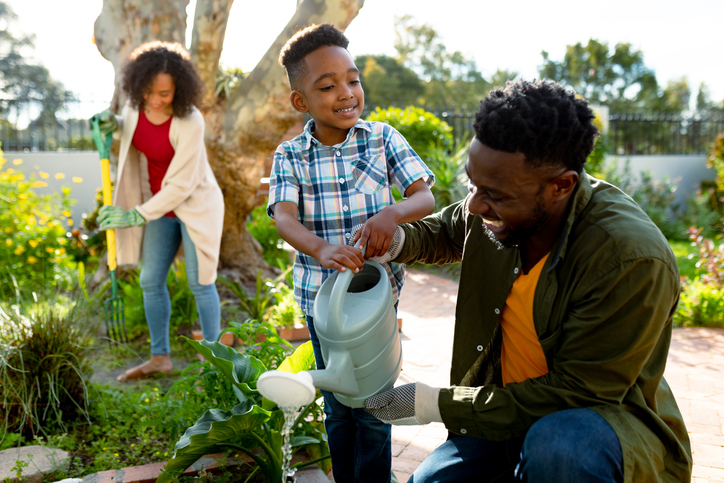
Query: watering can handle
{"points": [[335, 314]]}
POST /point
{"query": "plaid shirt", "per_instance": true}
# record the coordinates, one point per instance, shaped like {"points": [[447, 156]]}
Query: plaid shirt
{"points": [[336, 188]]}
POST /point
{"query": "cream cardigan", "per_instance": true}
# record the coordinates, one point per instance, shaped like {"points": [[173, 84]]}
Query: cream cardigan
{"points": [[189, 189]]}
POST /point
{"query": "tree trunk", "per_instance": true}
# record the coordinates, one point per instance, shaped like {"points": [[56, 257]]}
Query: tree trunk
{"points": [[241, 131]]}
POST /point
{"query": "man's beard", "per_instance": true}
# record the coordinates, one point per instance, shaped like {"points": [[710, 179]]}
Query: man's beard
{"points": [[521, 234]]}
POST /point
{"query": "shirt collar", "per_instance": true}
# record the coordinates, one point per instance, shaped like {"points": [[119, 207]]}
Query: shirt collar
{"points": [[308, 139], [583, 194]]}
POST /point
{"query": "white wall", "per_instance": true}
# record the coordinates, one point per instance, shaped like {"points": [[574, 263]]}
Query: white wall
{"points": [[84, 166], [691, 170]]}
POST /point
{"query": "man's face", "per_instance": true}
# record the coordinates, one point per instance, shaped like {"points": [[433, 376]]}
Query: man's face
{"points": [[508, 194], [331, 93]]}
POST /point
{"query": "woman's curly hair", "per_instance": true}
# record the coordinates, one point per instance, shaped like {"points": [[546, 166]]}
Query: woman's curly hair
{"points": [[153, 58], [303, 43], [541, 119]]}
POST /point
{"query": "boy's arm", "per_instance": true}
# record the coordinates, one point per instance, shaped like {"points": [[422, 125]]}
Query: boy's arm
{"points": [[338, 257], [379, 230]]}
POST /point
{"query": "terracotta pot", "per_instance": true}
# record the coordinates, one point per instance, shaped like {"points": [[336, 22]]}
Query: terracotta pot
{"points": [[293, 334]]}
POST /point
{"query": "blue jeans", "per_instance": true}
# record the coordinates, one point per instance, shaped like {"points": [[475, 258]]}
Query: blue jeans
{"points": [[570, 446], [161, 241], [360, 444]]}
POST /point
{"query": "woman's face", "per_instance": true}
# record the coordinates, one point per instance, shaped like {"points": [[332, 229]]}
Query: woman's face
{"points": [[159, 94]]}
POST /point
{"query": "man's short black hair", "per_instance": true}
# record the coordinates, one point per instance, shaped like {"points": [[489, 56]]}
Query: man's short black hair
{"points": [[304, 43], [541, 119]]}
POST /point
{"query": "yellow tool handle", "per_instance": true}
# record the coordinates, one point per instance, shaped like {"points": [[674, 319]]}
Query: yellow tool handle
{"points": [[107, 201]]}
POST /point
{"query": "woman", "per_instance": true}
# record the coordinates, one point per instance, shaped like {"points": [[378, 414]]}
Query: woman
{"points": [[165, 183]]}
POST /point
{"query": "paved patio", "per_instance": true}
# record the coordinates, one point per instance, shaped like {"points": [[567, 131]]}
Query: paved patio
{"points": [[695, 372]]}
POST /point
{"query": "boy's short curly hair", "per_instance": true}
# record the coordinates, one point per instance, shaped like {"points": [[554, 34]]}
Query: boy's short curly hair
{"points": [[541, 119], [303, 43], [153, 58]]}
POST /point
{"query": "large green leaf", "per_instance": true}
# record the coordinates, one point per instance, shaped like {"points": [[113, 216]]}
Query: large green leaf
{"points": [[214, 427], [301, 360], [241, 369]]}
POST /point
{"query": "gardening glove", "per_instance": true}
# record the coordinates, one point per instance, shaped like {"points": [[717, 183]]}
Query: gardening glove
{"points": [[115, 217], [107, 122], [415, 403], [398, 241]]}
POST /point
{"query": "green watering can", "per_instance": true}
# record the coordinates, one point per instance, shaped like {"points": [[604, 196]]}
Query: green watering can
{"points": [[356, 323]]}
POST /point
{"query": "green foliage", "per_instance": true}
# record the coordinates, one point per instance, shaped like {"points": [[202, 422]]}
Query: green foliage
{"points": [[450, 177], [286, 311], [247, 425], [422, 130], [387, 82], [258, 305], [264, 230], [33, 250], [687, 258], [716, 160], [701, 304], [44, 366]]}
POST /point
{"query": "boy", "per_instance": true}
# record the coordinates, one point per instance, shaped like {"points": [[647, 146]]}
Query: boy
{"points": [[333, 177]]}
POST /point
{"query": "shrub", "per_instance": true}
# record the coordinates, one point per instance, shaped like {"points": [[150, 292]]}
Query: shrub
{"points": [[422, 129], [450, 177], [33, 250], [701, 304], [264, 230], [44, 367], [716, 160]]}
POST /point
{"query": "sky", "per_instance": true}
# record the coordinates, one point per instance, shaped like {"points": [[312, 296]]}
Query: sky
{"points": [[678, 39]]}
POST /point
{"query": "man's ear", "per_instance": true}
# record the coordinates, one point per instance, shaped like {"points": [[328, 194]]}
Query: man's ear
{"points": [[564, 185], [298, 101]]}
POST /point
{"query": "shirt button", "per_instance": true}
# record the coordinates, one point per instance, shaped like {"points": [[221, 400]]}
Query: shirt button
{"points": [[338, 153], [341, 181], [515, 271], [480, 348], [497, 311], [345, 208], [463, 431]]}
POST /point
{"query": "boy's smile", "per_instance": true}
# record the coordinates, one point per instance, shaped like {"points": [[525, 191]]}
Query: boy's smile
{"points": [[331, 93]]}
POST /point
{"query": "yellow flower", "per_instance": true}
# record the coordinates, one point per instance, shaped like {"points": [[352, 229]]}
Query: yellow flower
{"points": [[20, 176], [10, 171], [32, 260], [8, 229], [4, 177], [8, 242], [66, 213], [70, 221], [33, 243], [115, 454], [49, 249], [39, 184], [61, 251], [59, 176], [77, 179], [32, 220], [133, 444], [147, 400], [19, 250], [17, 161], [155, 389], [43, 174]]}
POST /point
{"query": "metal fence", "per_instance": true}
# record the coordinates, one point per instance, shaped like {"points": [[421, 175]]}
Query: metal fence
{"points": [[24, 128]]}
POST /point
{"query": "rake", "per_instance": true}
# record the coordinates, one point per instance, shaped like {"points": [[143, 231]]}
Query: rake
{"points": [[115, 318]]}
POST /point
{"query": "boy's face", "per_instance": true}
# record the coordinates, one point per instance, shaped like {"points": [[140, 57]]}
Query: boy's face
{"points": [[331, 93]]}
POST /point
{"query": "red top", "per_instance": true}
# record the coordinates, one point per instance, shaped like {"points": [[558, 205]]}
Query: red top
{"points": [[152, 140]]}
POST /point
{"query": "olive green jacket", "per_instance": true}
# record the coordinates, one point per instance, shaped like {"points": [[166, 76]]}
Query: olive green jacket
{"points": [[603, 311]]}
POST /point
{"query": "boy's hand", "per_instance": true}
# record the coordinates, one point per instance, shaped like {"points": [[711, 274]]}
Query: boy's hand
{"points": [[378, 233], [341, 257]]}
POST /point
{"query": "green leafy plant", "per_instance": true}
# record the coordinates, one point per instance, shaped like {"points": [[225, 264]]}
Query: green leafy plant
{"points": [[258, 305], [701, 304], [450, 178], [264, 230], [422, 129], [33, 250], [286, 312], [252, 423]]}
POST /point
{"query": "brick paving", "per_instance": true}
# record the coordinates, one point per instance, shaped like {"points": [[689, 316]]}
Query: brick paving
{"points": [[695, 371]]}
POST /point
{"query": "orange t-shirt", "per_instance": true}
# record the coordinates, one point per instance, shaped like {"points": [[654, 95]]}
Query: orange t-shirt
{"points": [[522, 355]]}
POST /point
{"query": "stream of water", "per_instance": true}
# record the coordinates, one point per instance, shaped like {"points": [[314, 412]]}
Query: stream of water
{"points": [[289, 417]]}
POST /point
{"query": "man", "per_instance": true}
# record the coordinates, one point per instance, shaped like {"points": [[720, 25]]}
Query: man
{"points": [[563, 321]]}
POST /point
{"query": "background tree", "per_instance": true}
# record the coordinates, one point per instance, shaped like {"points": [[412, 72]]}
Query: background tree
{"points": [[246, 123], [388, 83], [617, 78], [23, 81]]}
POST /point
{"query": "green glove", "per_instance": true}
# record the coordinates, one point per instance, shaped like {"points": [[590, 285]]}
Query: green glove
{"points": [[115, 217], [107, 122]]}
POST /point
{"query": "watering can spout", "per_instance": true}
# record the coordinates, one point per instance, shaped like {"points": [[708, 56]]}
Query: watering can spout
{"points": [[339, 376]]}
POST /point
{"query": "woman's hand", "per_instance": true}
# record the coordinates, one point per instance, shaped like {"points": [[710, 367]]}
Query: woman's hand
{"points": [[111, 217]]}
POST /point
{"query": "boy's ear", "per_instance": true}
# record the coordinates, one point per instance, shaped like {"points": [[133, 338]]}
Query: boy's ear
{"points": [[298, 101]]}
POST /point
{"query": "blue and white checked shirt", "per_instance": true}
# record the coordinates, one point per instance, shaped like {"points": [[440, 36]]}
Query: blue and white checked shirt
{"points": [[339, 187]]}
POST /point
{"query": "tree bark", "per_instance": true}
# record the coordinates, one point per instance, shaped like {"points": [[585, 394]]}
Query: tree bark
{"points": [[242, 131]]}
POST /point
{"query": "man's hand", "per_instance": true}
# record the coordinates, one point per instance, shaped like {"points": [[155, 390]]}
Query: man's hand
{"points": [[415, 403], [395, 248], [107, 121], [110, 217], [341, 257], [377, 233]]}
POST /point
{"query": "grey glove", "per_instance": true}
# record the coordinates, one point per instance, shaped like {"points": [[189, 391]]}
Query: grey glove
{"points": [[398, 241], [415, 403]]}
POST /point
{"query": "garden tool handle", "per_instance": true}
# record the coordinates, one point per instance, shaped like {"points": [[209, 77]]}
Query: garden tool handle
{"points": [[335, 314], [107, 201]]}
